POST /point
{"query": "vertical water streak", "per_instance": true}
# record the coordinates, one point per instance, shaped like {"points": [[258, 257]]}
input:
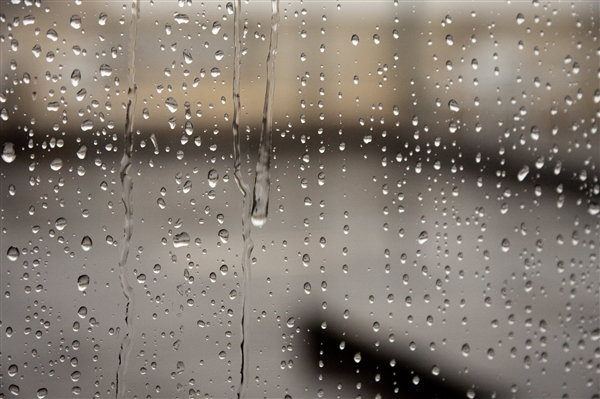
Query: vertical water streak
{"points": [[245, 189], [262, 177], [127, 186]]}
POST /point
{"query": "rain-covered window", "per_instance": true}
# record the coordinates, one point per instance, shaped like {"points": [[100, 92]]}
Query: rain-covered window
{"points": [[299, 199]]}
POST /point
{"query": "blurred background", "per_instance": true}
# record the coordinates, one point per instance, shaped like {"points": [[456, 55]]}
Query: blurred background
{"points": [[433, 215]]}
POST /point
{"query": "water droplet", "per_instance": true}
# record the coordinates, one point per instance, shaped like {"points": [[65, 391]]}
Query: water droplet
{"points": [[102, 18], [87, 124], [376, 39], [86, 243], [355, 39], [75, 21], [82, 312], [181, 240], [357, 357], [52, 35], [105, 70], [505, 245], [8, 152], [465, 350], [60, 223], [216, 27], [215, 72], [307, 288], [213, 178], [81, 94], [14, 389], [435, 370], [141, 278], [523, 173], [423, 237], [224, 235], [449, 40], [453, 105], [187, 57], [56, 164], [81, 152], [82, 282], [219, 54], [171, 104], [291, 322], [13, 369], [182, 18], [520, 18], [13, 253]]}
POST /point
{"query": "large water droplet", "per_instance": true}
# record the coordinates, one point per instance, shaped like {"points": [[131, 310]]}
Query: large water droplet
{"points": [[82, 282], [8, 152], [213, 178], [75, 21], [13, 253], [523, 173], [453, 105], [105, 70], [56, 164], [171, 104], [224, 235], [355, 39], [181, 240], [505, 245], [81, 152], [60, 223], [86, 243]]}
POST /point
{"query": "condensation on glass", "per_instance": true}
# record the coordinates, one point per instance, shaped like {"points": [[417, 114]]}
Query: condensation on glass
{"points": [[432, 213]]}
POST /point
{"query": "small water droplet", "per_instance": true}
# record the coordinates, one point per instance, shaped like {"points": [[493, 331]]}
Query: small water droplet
{"points": [[357, 357], [291, 322], [449, 40], [355, 39], [105, 70], [82, 312], [423, 237], [465, 350], [505, 245]]}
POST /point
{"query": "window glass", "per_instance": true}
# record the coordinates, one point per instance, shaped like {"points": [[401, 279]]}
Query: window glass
{"points": [[409, 206]]}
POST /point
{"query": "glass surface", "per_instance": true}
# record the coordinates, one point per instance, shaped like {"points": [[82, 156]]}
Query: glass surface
{"points": [[432, 223]]}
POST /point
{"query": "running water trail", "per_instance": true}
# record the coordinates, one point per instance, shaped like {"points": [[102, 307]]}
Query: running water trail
{"points": [[127, 186], [262, 180], [245, 189], [261, 184]]}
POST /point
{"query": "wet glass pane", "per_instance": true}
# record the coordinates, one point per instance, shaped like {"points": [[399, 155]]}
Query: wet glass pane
{"points": [[300, 199]]}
